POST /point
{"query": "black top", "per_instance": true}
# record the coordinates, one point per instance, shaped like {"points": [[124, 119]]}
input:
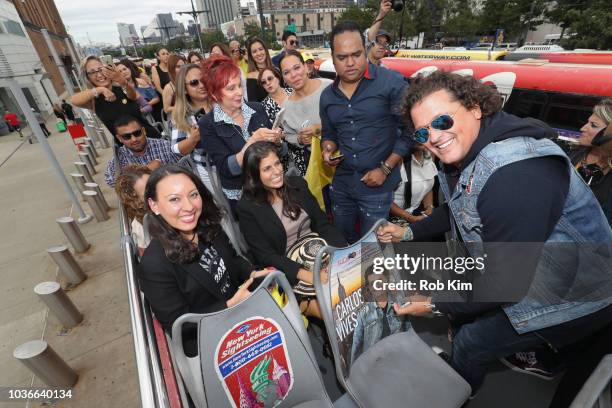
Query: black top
{"points": [[255, 91], [173, 289], [521, 202], [222, 140], [164, 77], [108, 112], [266, 236]]}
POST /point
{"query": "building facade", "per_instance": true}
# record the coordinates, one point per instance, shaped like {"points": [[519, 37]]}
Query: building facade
{"points": [[310, 24], [217, 12], [274, 5], [127, 34], [20, 61], [39, 14]]}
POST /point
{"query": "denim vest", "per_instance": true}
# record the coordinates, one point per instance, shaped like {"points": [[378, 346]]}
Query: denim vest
{"points": [[568, 284], [369, 328]]}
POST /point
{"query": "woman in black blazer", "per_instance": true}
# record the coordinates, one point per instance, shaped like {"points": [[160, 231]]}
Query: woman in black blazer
{"points": [[190, 265], [271, 210], [232, 125]]}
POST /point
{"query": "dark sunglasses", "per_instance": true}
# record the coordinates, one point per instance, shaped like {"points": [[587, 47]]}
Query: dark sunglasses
{"points": [[194, 82], [264, 81], [128, 136], [294, 42], [592, 174], [442, 122]]}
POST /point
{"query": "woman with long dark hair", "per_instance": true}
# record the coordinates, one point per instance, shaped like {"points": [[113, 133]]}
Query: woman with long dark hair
{"points": [[143, 86], [130, 187], [190, 266], [175, 62], [259, 58], [274, 212], [159, 73]]}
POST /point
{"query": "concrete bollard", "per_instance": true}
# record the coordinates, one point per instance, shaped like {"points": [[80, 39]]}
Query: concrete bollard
{"points": [[68, 266], [59, 303], [44, 362], [84, 157], [91, 154], [102, 137], [82, 169], [95, 187], [79, 181], [73, 233], [98, 210], [91, 143]]}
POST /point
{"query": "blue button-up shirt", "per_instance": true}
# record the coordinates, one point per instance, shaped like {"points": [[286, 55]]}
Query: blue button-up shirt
{"points": [[366, 128], [159, 149]]}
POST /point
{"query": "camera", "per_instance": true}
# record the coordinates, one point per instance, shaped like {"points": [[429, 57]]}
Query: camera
{"points": [[398, 5]]}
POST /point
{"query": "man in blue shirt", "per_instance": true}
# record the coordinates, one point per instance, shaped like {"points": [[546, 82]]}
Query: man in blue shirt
{"points": [[360, 118], [137, 149]]}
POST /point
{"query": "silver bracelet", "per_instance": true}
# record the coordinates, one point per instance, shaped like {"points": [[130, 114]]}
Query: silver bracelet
{"points": [[408, 235]]}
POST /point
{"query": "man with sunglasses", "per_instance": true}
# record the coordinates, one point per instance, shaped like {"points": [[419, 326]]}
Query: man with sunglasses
{"points": [[378, 41], [137, 148], [290, 42], [513, 199]]}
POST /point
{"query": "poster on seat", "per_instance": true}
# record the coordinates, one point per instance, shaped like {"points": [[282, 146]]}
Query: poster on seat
{"points": [[252, 362]]}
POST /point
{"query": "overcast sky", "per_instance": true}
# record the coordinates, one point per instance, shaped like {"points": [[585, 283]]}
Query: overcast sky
{"points": [[99, 18]]}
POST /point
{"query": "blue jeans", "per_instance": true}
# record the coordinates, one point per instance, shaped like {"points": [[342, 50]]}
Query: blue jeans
{"points": [[348, 207], [491, 336]]}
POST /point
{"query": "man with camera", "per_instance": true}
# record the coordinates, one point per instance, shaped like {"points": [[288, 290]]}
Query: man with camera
{"points": [[377, 40]]}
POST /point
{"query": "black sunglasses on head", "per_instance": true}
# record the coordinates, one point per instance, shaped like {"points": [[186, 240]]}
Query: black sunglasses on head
{"points": [[128, 136]]}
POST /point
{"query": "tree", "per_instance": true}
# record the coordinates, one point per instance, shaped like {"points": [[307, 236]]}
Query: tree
{"points": [[209, 38], [364, 17], [585, 23], [252, 29], [516, 17], [459, 21]]}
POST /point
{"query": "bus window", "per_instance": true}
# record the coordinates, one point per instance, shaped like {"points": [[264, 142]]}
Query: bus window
{"points": [[524, 103], [569, 111]]}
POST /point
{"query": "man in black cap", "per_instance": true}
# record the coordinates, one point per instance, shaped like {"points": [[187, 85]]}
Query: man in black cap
{"points": [[377, 40]]}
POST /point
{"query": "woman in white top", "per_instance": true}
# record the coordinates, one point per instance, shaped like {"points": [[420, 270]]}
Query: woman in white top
{"points": [[130, 188], [301, 119], [416, 188]]}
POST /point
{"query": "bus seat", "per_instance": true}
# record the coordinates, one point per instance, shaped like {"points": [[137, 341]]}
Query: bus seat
{"points": [[596, 391], [400, 370], [254, 351]]}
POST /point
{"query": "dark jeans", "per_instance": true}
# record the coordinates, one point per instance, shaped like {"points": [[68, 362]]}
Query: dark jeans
{"points": [[490, 337], [348, 207]]}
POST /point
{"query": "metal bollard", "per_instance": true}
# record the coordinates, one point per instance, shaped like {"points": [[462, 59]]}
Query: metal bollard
{"points": [[102, 137], [73, 233], [68, 266], [84, 157], [95, 187], [59, 303], [82, 168], [99, 212], [91, 154], [79, 181], [44, 362], [91, 143]]}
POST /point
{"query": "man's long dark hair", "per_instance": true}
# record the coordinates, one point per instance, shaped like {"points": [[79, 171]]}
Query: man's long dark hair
{"points": [[254, 190], [178, 249]]}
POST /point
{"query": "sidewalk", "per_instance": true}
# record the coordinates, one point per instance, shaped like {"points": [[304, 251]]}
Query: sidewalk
{"points": [[100, 349]]}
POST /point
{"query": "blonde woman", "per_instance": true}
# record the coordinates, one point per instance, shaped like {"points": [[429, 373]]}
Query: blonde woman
{"points": [[175, 62], [191, 104]]}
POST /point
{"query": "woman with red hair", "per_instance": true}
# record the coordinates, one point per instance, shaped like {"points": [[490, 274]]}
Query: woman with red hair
{"points": [[232, 125]]}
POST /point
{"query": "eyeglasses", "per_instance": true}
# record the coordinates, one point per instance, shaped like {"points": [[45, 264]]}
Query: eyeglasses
{"points": [[382, 44], [294, 42], [442, 122], [265, 81], [194, 82], [128, 136], [95, 72]]}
